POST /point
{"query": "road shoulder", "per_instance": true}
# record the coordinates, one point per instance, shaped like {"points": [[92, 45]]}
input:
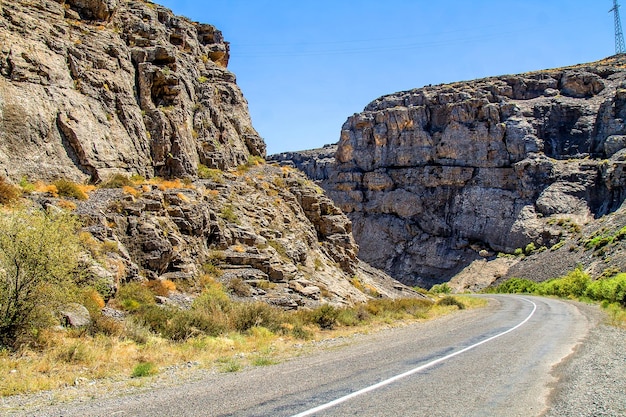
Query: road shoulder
{"points": [[592, 380]]}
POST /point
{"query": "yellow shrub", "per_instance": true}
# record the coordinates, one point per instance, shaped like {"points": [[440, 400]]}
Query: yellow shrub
{"points": [[212, 193], [8, 193], [131, 191], [161, 287], [66, 205], [42, 187]]}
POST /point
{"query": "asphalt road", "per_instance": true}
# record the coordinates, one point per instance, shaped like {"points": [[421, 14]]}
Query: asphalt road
{"points": [[495, 361]]}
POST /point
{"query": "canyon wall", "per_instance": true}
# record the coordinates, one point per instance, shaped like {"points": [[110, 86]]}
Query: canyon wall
{"points": [[90, 88], [115, 93], [437, 177]]}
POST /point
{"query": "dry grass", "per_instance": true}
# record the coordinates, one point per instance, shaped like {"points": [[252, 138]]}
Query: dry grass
{"points": [[161, 287], [127, 189], [8, 192], [69, 357], [41, 187], [164, 185], [67, 205]]}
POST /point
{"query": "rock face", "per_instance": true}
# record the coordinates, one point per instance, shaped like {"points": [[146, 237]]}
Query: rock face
{"points": [[433, 176], [90, 88], [267, 233]]}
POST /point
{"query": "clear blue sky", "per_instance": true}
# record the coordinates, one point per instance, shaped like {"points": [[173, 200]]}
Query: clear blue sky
{"points": [[305, 66]]}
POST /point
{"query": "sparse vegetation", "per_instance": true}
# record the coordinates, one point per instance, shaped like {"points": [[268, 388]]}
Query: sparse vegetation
{"points": [[602, 239], [609, 291], [8, 192], [70, 189], [38, 270], [207, 173], [210, 332], [252, 162], [228, 214]]}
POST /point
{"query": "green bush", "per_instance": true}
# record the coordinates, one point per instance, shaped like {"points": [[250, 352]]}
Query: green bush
{"points": [[70, 189], [190, 323], [143, 369], [249, 315], [299, 332], [574, 284], [325, 316], [441, 288], [516, 286], [133, 296], [213, 300], [451, 301], [348, 317], [155, 318], [38, 270], [612, 290]]}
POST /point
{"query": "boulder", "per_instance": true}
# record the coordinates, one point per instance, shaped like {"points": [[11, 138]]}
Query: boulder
{"points": [[75, 315], [93, 9]]}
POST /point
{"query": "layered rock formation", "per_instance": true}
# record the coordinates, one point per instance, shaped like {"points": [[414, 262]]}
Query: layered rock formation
{"points": [[89, 88], [265, 232], [437, 177], [92, 90]]}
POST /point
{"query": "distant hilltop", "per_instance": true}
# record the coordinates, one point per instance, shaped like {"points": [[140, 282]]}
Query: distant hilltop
{"points": [[436, 178]]}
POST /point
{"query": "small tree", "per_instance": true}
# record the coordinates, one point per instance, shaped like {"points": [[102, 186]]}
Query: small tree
{"points": [[38, 265]]}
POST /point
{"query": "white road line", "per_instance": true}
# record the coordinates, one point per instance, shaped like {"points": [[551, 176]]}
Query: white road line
{"points": [[412, 371]]}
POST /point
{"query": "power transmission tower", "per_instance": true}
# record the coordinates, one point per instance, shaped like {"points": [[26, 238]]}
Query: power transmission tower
{"points": [[620, 48]]}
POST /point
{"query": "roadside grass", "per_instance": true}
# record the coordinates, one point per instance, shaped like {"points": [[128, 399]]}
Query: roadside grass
{"points": [[70, 357], [609, 291]]}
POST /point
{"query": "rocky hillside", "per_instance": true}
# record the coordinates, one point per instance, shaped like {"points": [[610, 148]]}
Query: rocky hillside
{"points": [[105, 91], [267, 233], [89, 88], [438, 177]]}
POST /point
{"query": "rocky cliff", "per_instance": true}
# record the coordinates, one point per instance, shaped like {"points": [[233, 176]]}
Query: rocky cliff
{"points": [[89, 88], [129, 97], [437, 177]]}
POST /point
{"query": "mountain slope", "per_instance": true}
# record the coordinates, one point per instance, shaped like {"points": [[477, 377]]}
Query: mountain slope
{"points": [[438, 177], [93, 88], [127, 95]]}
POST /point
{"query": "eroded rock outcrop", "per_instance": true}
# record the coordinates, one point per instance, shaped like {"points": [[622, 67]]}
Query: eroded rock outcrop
{"points": [[266, 232], [90, 88], [100, 90], [433, 176]]}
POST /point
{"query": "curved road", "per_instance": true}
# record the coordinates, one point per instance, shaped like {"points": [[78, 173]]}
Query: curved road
{"points": [[494, 361]]}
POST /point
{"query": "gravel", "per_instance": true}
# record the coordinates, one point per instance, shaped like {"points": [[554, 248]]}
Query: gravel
{"points": [[592, 381]]}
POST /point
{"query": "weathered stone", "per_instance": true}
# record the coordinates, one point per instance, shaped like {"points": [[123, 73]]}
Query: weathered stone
{"points": [[93, 9], [146, 94], [424, 172], [75, 315]]}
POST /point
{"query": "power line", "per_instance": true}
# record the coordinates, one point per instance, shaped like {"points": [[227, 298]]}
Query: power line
{"points": [[620, 48]]}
